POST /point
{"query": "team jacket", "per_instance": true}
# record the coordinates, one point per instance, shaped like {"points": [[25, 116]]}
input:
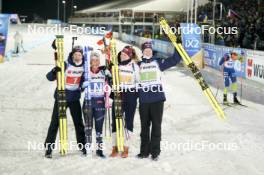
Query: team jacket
{"points": [[98, 83], [228, 63], [129, 79], [128, 74], [73, 80], [150, 71]]}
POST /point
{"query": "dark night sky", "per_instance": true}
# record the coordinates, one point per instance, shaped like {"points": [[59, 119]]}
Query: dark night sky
{"points": [[47, 9]]}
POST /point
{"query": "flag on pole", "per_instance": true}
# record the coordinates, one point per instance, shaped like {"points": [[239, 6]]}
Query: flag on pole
{"points": [[233, 14]]}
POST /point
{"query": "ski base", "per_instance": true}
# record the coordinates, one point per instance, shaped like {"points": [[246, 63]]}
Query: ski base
{"points": [[193, 68], [233, 104]]}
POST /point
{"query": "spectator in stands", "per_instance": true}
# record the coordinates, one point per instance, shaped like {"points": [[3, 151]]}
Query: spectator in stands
{"points": [[249, 22], [219, 40]]}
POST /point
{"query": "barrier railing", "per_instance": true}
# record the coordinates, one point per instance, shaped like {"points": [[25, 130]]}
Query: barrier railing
{"points": [[252, 67]]}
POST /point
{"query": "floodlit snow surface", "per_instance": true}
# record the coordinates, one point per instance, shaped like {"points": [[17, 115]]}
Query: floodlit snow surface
{"points": [[194, 140]]}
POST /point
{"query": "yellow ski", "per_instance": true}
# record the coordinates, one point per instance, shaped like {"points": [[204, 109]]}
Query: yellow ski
{"points": [[61, 96], [196, 72], [117, 97]]}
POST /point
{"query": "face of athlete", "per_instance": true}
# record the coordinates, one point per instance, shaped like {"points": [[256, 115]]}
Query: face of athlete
{"points": [[234, 56], [124, 56], [77, 58], [147, 53], [95, 62]]}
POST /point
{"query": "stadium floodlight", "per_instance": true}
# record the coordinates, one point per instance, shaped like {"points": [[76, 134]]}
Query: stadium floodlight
{"points": [[64, 11], [58, 9], [73, 11], [0, 6]]}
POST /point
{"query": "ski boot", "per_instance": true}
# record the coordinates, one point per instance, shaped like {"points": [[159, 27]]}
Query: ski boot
{"points": [[236, 101], [100, 153], [48, 153], [84, 151], [125, 152], [114, 152], [155, 157], [142, 156], [225, 102]]}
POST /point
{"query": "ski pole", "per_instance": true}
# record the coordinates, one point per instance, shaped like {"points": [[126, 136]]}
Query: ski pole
{"points": [[105, 122], [124, 124], [217, 87], [219, 81], [241, 86], [106, 105], [109, 122], [241, 78], [73, 39], [22, 47]]}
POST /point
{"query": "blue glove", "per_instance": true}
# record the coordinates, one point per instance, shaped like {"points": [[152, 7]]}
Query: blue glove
{"points": [[85, 84]]}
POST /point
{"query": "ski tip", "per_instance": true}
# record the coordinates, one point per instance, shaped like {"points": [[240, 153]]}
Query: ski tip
{"points": [[59, 36], [222, 116], [240, 104], [161, 18]]}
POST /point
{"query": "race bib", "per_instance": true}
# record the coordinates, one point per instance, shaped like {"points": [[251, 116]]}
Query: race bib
{"points": [[97, 89], [148, 76], [229, 64], [73, 77], [97, 84], [127, 76], [126, 79], [73, 80]]}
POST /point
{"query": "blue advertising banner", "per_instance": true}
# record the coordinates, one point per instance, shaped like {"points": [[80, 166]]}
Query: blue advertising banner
{"points": [[4, 23], [191, 38], [213, 54], [163, 47]]}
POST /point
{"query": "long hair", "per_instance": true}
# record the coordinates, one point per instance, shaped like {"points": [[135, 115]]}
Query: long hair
{"points": [[134, 54]]}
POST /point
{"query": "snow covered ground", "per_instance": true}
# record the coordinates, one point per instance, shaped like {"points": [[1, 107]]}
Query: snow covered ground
{"points": [[233, 147]]}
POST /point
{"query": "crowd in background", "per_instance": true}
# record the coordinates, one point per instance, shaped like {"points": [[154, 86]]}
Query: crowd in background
{"points": [[247, 15]]}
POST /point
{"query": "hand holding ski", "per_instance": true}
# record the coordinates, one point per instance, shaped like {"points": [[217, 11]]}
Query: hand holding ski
{"points": [[190, 64], [59, 58], [87, 104]]}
